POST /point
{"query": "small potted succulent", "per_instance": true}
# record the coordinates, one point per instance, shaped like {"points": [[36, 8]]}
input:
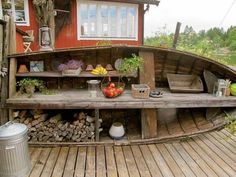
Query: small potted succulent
{"points": [[131, 65], [28, 86], [72, 67]]}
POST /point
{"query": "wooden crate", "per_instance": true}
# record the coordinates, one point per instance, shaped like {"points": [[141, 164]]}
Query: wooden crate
{"points": [[185, 83]]}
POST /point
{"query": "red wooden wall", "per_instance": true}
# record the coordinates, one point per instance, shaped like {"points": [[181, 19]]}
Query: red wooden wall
{"points": [[68, 35]]}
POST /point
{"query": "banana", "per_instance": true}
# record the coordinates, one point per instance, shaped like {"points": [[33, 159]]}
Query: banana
{"points": [[99, 71]]}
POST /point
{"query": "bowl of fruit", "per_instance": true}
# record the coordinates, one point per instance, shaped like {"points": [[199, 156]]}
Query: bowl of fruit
{"points": [[112, 89]]}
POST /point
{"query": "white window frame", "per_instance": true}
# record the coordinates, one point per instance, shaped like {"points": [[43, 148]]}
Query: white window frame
{"points": [[26, 10], [119, 5]]}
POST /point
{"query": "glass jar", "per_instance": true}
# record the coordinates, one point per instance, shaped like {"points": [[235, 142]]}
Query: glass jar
{"points": [[220, 88], [93, 87]]}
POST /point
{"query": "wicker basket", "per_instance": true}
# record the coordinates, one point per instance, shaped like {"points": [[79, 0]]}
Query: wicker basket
{"points": [[140, 91]]}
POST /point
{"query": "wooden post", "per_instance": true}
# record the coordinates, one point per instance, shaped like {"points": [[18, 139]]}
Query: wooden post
{"points": [[1, 48], [178, 25], [9, 48], [52, 22], [96, 125], [4, 90], [147, 76]]}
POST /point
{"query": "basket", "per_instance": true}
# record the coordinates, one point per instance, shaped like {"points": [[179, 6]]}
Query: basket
{"points": [[140, 91], [71, 72], [110, 92]]}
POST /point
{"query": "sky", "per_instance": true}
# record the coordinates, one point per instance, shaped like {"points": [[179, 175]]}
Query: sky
{"points": [[200, 14]]}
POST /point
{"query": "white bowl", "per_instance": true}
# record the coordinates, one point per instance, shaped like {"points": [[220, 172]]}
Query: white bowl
{"points": [[117, 130]]}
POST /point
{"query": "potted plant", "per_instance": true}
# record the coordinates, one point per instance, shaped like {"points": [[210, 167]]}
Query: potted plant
{"points": [[28, 86], [131, 65]]}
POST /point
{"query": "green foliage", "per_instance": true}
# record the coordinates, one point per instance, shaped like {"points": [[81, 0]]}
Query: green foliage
{"points": [[214, 43], [26, 83], [130, 65], [231, 126]]}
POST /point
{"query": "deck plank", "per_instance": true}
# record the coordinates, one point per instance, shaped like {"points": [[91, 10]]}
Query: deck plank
{"points": [[60, 163], [226, 139], [201, 163], [193, 165], [111, 163], [223, 141], [37, 170], [131, 165], [100, 161], [90, 162], [169, 160], [70, 163], [221, 152], [228, 134], [142, 166], [120, 162], [51, 161], [150, 161], [222, 147], [81, 162], [160, 161], [34, 156], [180, 161], [208, 159], [226, 167]]}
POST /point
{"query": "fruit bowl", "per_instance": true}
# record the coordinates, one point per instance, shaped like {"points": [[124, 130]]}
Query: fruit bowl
{"points": [[112, 89]]}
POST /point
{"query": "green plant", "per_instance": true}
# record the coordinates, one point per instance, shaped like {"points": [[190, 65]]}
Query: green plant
{"points": [[231, 124], [28, 85], [131, 65]]}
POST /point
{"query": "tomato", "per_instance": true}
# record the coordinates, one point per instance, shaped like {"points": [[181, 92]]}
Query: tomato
{"points": [[112, 85], [119, 91]]}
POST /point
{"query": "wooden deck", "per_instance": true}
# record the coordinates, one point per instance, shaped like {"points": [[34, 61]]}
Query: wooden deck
{"points": [[211, 154]]}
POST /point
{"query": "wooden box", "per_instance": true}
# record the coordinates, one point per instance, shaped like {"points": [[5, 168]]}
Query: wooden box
{"points": [[140, 91], [185, 83]]}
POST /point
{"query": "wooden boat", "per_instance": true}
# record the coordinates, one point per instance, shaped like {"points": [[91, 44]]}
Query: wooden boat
{"points": [[172, 116]]}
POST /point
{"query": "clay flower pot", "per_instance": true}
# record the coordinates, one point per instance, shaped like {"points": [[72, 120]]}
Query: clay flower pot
{"points": [[23, 69]]}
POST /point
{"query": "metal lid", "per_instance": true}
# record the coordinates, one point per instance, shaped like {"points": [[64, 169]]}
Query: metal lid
{"points": [[11, 129], [93, 81]]}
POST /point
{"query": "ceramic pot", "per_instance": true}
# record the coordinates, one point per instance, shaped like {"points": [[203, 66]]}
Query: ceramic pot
{"points": [[117, 130]]}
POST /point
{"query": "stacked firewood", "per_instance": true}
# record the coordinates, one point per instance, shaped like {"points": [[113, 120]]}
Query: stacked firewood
{"points": [[43, 128]]}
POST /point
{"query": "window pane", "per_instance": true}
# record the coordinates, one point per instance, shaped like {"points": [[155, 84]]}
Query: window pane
{"points": [[113, 21], [131, 22], [19, 5], [84, 19], [92, 20], [20, 16], [123, 21], [104, 20]]}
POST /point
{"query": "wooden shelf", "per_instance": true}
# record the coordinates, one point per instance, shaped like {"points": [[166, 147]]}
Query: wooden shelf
{"points": [[58, 74], [80, 99]]}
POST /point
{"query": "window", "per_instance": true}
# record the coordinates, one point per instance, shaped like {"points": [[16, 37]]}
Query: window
{"points": [[107, 20], [19, 9]]}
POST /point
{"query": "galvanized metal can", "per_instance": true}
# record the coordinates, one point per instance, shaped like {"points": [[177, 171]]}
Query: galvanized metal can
{"points": [[14, 153]]}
